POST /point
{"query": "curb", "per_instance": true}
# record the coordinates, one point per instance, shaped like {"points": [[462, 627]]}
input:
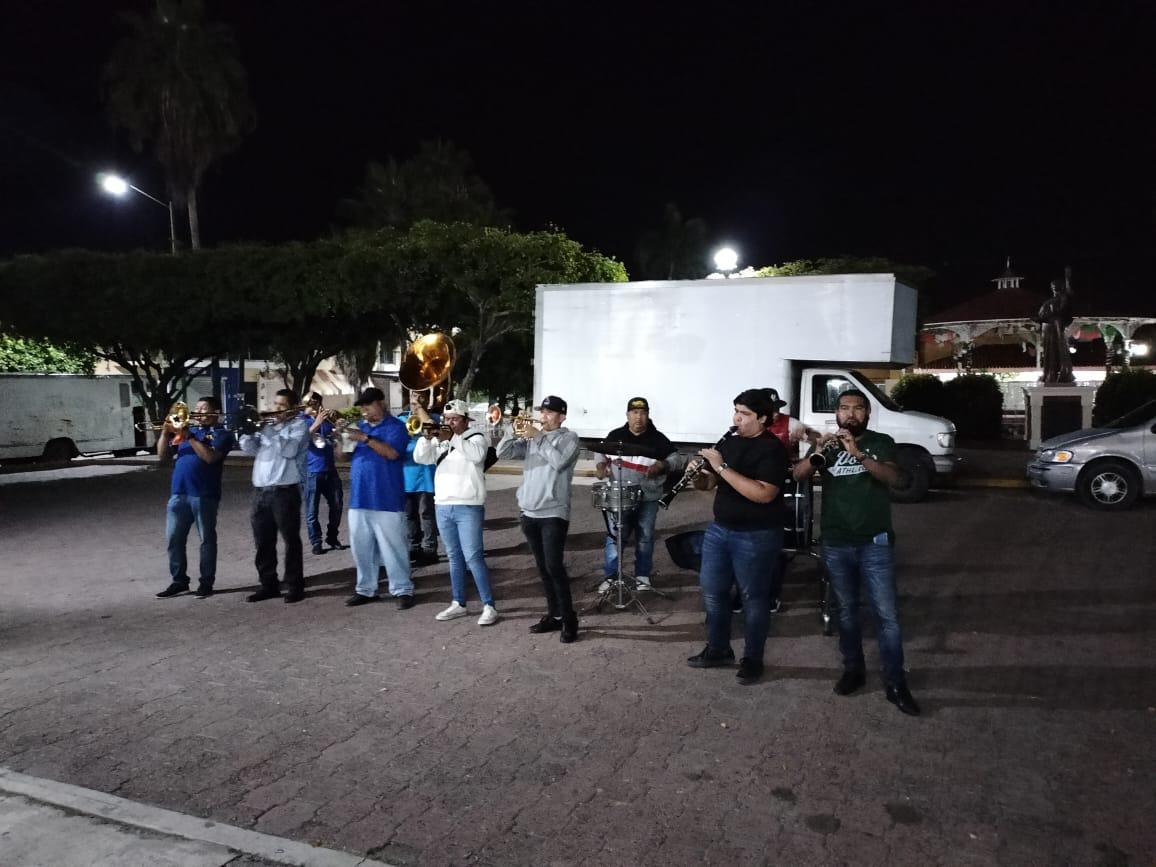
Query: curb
{"points": [[121, 811]]}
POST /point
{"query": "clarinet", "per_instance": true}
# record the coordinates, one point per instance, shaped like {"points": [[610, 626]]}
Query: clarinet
{"points": [[828, 454], [692, 472]]}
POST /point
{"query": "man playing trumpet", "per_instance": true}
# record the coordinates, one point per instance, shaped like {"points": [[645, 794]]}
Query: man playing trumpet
{"points": [[322, 480], [199, 453]]}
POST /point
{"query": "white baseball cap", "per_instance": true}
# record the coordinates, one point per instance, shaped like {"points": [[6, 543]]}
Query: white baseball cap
{"points": [[456, 407]]}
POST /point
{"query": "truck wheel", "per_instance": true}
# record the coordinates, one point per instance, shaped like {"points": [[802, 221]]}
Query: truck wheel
{"points": [[1109, 485], [59, 451], [915, 478]]}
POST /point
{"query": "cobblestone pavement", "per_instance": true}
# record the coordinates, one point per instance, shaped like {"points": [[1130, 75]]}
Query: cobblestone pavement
{"points": [[1029, 633]]}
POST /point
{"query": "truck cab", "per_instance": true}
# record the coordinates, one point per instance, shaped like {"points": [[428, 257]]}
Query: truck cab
{"points": [[926, 442]]}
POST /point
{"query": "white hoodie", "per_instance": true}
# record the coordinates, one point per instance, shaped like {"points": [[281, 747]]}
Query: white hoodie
{"points": [[460, 478]]}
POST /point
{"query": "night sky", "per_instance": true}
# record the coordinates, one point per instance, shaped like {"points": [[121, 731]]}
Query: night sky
{"points": [[944, 134]]}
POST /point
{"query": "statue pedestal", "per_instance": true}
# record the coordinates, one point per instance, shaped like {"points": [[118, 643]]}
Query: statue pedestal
{"points": [[1053, 410]]}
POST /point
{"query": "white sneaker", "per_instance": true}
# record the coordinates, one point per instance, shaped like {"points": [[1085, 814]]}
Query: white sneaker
{"points": [[452, 613], [489, 616], [604, 586], [643, 582]]}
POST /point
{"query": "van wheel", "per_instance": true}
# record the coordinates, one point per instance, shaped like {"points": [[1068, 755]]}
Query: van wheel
{"points": [[1109, 485], [59, 451], [914, 478]]}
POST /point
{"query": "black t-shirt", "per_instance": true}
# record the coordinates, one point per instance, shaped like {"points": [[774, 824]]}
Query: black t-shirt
{"points": [[762, 458]]}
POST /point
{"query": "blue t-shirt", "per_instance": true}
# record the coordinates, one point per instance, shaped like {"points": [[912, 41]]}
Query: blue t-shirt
{"points": [[319, 460], [376, 483], [418, 477], [192, 476]]}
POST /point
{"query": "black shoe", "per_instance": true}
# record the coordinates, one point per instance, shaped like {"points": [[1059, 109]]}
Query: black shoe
{"points": [[173, 589], [204, 591], [294, 596], [711, 658], [900, 696], [546, 624], [569, 629], [317, 549], [263, 594], [750, 670], [427, 558], [850, 681], [334, 545], [404, 602], [358, 599], [776, 606], [736, 604]]}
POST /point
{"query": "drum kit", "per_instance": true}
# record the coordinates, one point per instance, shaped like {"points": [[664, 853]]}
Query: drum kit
{"points": [[618, 500]]}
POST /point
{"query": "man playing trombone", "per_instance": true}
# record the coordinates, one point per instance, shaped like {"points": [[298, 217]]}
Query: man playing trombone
{"points": [[278, 447], [199, 451], [322, 479]]}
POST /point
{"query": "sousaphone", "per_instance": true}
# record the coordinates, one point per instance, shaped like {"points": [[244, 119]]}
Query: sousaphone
{"points": [[426, 367]]}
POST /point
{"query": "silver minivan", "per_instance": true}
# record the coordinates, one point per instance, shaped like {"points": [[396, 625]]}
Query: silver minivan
{"points": [[1108, 467]]}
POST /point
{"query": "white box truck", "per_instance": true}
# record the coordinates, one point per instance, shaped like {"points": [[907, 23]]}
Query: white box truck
{"points": [[56, 416], [689, 346]]}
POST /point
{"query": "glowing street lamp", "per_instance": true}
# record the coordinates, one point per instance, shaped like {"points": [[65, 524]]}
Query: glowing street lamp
{"points": [[726, 259], [117, 186]]}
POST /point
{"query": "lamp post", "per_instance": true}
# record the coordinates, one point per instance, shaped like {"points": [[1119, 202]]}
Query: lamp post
{"points": [[117, 186], [726, 260]]}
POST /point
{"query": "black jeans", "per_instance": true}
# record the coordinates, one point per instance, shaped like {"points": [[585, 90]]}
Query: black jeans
{"points": [[422, 518], [277, 510], [547, 538]]}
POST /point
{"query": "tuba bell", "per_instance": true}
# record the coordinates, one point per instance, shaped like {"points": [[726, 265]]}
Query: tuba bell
{"points": [[427, 365]]}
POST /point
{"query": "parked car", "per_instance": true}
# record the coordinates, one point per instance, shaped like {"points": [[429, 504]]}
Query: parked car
{"points": [[1108, 467]]}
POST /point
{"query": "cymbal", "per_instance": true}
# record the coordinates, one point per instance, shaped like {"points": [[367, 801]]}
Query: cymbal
{"points": [[616, 447]]}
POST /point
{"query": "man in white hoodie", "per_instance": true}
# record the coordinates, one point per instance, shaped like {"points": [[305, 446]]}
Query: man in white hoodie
{"points": [[459, 504]]}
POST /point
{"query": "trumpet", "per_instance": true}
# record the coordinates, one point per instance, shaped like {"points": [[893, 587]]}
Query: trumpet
{"points": [[321, 440], [524, 423]]}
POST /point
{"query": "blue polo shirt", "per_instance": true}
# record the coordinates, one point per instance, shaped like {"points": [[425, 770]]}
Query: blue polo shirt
{"points": [[319, 460], [192, 476], [376, 483], [418, 477]]}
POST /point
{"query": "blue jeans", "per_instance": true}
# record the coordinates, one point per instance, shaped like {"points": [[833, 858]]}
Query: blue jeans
{"points": [[182, 512], [461, 530], [875, 565], [327, 485], [379, 539], [749, 558], [638, 522]]}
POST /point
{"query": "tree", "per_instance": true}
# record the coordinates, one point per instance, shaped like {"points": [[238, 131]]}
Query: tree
{"points": [[176, 83], [915, 276], [482, 280], [676, 250], [30, 355], [439, 183]]}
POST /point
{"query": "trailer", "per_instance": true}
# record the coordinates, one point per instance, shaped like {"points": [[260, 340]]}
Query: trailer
{"points": [[690, 346]]}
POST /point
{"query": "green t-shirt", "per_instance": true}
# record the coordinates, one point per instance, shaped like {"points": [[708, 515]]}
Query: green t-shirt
{"points": [[856, 505]]}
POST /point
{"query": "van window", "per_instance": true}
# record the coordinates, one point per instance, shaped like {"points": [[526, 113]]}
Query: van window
{"points": [[825, 391]]}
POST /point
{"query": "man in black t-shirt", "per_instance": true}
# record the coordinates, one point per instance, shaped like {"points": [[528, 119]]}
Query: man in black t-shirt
{"points": [[742, 545]]}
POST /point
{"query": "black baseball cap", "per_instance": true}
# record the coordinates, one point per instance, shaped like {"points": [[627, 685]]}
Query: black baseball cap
{"points": [[773, 395], [554, 403], [370, 395], [637, 403]]}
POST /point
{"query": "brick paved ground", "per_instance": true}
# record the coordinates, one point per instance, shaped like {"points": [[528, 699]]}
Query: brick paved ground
{"points": [[1029, 634]]}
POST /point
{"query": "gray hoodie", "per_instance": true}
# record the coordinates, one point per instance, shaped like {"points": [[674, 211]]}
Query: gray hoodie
{"points": [[549, 471]]}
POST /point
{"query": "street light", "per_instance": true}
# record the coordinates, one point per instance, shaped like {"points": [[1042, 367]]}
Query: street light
{"points": [[726, 259], [117, 186]]}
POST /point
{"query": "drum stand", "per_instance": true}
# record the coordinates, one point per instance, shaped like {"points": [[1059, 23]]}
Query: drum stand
{"points": [[622, 589]]}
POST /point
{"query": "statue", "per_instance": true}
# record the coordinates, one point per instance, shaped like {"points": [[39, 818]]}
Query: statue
{"points": [[1055, 315]]}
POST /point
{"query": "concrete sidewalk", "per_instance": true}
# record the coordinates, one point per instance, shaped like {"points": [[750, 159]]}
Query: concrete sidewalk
{"points": [[43, 822]]}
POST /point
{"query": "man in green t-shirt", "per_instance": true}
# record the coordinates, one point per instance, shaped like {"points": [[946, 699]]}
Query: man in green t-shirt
{"points": [[858, 467]]}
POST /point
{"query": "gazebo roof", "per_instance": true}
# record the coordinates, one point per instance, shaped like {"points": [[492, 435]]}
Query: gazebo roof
{"points": [[1002, 305]]}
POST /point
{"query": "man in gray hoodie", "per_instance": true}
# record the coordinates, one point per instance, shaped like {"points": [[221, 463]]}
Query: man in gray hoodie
{"points": [[544, 499]]}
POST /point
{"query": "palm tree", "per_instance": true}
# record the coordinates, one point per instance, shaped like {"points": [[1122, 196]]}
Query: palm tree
{"points": [[676, 250], [176, 83]]}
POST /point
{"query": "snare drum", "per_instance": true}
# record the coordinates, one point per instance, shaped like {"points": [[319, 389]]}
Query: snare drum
{"points": [[616, 496]]}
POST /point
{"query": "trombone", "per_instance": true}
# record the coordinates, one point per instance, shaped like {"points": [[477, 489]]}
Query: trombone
{"points": [[178, 417]]}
